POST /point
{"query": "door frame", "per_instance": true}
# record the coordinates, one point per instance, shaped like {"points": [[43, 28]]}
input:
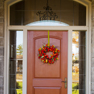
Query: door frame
{"points": [[86, 28]]}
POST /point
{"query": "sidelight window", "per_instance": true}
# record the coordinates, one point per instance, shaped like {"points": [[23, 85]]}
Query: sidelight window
{"points": [[16, 62], [78, 62]]}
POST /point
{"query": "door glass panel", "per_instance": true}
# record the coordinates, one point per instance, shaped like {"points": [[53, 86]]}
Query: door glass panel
{"points": [[78, 62], [65, 11], [16, 62]]}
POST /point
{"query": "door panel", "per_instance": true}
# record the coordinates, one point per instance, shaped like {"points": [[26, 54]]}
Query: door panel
{"points": [[41, 69], [47, 90], [46, 78]]}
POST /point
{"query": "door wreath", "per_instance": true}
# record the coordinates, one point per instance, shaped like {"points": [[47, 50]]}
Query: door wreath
{"points": [[47, 48], [44, 57]]}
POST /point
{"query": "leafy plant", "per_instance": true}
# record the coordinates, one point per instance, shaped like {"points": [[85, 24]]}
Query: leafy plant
{"points": [[20, 49]]}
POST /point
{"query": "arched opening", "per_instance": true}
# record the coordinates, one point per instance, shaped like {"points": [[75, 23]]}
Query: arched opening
{"points": [[47, 23], [64, 11], [23, 13]]}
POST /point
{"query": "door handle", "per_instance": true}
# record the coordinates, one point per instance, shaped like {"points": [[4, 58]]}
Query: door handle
{"points": [[65, 82]]}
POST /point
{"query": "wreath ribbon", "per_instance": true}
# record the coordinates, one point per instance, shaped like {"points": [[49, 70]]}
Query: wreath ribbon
{"points": [[48, 39]]}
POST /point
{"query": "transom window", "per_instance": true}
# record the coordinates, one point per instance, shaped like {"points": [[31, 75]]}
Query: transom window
{"points": [[68, 12]]}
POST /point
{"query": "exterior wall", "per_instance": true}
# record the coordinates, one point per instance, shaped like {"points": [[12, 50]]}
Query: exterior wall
{"points": [[92, 50], [1, 46]]}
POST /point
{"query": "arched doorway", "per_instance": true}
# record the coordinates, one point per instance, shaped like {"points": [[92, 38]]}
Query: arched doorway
{"points": [[74, 25]]}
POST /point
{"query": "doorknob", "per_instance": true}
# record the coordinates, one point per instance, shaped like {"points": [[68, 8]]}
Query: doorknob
{"points": [[65, 82]]}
